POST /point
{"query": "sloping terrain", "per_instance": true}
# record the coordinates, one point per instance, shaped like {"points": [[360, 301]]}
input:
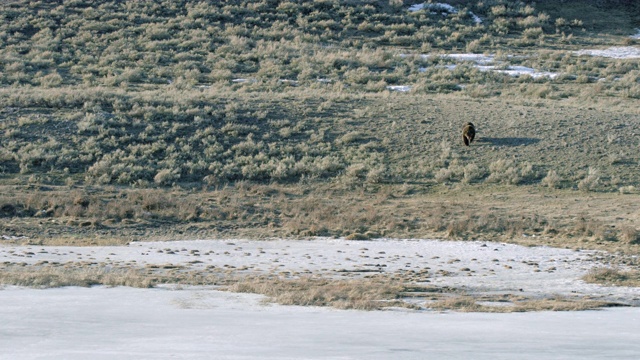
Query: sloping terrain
{"points": [[281, 118]]}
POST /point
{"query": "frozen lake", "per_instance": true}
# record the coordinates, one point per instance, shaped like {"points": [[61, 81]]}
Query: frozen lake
{"points": [[197, 323]]}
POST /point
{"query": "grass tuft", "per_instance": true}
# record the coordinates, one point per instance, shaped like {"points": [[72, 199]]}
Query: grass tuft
{"points": [[365, 294], [613, 277]]}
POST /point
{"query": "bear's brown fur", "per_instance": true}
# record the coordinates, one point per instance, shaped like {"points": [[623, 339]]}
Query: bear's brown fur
{"points": [[468, 133]]}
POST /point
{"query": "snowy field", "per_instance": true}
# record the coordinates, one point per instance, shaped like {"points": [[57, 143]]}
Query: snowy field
{"points": [[477, 267], [203, 323], [615, 52]]}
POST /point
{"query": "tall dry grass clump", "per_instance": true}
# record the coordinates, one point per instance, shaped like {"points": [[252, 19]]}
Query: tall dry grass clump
{"points": [[50, 277], [364, 294], [591, 181], [552, 180], [466, 303], [629, 234], [613, 276]]}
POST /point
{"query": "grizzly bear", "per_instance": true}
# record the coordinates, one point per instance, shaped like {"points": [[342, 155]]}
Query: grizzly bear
{"points": [[468, 133]]}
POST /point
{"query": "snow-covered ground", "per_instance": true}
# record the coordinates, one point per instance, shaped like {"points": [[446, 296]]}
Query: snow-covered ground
{"points": [[482, 62], [616, 52], [400, 88], [489, 63], [517, 70], [198, 323], [474, 266], [442, 8]]}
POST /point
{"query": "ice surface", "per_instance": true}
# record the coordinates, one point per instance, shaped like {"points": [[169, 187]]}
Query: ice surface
{"points": [[198, 323]]}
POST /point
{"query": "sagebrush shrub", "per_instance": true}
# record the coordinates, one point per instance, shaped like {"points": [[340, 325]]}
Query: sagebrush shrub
{"points": [[552, 180]]}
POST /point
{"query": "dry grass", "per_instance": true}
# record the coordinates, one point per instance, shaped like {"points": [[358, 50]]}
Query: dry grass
{"points": [[49, 277], [59, 275], [630, 234], [369, 293], [552, 217], [563, 304], [472, 304], [613, 277], [380, 292], [361, 294]]}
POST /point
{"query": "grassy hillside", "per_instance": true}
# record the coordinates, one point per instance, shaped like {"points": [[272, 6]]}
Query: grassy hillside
{"points": [[149, 112]]}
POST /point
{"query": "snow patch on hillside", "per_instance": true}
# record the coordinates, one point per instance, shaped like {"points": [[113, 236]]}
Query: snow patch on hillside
{"points": [[442, 8], [400, 88], [517, 71], [482, 62], [490, 63], [479, 59], [615, 52]]}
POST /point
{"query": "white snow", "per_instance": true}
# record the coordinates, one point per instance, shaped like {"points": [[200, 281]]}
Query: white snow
{"points": [[400, 88], [489, 63], [241, 80], [199, 323], [434, 6], [616, 52], [479, 59], [12, 237], [442, 8], [476, 18], [492, 267], [636, 35], [516, 71], [416, 7]]}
